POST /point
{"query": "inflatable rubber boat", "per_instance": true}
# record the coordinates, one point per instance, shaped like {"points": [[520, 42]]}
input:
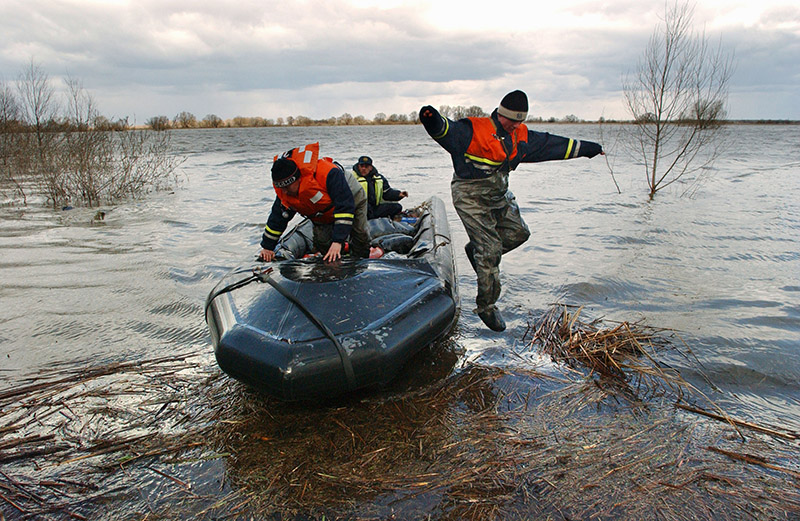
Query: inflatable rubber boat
{"points": [[302, 329]]}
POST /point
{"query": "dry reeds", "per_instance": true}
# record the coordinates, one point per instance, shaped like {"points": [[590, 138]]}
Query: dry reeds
{"points": [[625, 356], [621, 354], [173, 438]]}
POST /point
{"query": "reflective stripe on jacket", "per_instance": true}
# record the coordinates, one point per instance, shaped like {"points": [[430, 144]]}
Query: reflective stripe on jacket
{"points": [[326, 195], [487, 151], [377, 183], [457, 136]]}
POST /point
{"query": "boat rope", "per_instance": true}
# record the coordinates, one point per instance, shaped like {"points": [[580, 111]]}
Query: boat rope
{"points": [[263, 275], [230, 287], [445, 240]]}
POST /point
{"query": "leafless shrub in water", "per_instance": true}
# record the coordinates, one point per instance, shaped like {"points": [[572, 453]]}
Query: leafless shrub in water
{"points": [[677, 99], [67, 154]]}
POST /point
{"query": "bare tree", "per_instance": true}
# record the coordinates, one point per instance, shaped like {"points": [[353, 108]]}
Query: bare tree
{"points": [[10, 137], [9, 109], [212, 121], [475, 112], [86, 155], [345, 119], [677, 99], [185, 120], [397, 118], [39, 160], [81, 110], [159, 123], [37, 99], [65, 152]]}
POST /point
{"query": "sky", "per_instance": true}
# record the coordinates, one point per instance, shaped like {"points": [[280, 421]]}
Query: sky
{"points": [[324, 58]]}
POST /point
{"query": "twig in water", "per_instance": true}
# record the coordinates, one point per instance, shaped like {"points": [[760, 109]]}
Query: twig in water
{"points": [[785, 435], [608, 165], [754, 461]]}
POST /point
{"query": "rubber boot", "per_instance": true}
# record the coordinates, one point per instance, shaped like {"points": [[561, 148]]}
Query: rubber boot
{"points": [[493, 319]]}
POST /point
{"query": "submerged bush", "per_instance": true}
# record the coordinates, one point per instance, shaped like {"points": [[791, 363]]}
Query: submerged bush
{"points": [[73, 157], [90, 167]]}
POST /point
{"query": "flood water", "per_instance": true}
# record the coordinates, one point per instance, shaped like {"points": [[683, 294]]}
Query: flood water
{"points": [[720, 266]]}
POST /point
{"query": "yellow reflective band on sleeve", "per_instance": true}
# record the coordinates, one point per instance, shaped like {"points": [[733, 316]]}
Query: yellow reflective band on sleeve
{"points": [[446, 129], [569, 148], [483, 160], [343, 216], [270, 231]]}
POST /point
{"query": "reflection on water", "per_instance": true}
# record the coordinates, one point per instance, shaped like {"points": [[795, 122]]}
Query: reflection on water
{"points": [[721, 267]]}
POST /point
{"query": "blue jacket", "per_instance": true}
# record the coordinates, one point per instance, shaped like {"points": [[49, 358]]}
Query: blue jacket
{"points": [[342, 197], [456, 136]]}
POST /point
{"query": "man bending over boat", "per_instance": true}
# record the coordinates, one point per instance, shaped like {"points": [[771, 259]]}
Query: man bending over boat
{"points": [[378, 190], [317, 188], [484, 151]]}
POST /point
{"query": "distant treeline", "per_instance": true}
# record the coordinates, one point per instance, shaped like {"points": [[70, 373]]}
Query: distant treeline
{"points": [[187, 120], [11, 122]]}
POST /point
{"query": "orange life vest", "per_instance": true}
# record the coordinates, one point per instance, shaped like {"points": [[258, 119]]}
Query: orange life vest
{"points": [[312, 199], [486, 150]]}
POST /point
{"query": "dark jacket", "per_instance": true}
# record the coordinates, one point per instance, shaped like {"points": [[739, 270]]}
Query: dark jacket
{"points": [[455, 137], [344, 207], [378, 189]]}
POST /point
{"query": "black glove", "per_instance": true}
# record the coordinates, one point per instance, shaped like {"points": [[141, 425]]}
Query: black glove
{"points": [[590, 148], [428, 117]]}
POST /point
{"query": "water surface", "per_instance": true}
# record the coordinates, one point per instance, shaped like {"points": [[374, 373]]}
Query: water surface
{"points": [[720, 266]]}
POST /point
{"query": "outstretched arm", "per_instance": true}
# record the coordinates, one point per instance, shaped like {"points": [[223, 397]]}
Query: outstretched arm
{"points": [[391, 194], [542, 146], [453, 136]]}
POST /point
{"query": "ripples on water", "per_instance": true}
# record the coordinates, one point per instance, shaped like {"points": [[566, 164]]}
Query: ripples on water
{"points": [[722, 266]]}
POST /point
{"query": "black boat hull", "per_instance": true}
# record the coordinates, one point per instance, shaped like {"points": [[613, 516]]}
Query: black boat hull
{"points": [[308, 330]]}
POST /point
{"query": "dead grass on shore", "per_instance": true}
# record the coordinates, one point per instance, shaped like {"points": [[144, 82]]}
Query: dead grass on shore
{"points": [[623, 355], [173, 438]]}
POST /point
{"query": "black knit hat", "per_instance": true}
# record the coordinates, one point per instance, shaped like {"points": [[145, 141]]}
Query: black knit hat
{"points": [[284, 172], [514, 106], [365, 160]]}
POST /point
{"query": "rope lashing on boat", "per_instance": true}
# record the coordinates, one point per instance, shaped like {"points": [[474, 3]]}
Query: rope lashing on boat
{"points": [[263, 275], [436, 235], [445, 241], [230, 287]]}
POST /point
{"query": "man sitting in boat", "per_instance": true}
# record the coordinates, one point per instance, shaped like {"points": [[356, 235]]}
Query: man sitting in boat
{"points": [[378, 190], [317, 188]]}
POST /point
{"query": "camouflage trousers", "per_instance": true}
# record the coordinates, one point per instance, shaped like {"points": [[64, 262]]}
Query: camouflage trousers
{"points": [[359, 234], [494, 225]]}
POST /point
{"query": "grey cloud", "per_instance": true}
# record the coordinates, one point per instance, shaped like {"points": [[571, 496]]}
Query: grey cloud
{"points": [[188, 49], [238, 51]]}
